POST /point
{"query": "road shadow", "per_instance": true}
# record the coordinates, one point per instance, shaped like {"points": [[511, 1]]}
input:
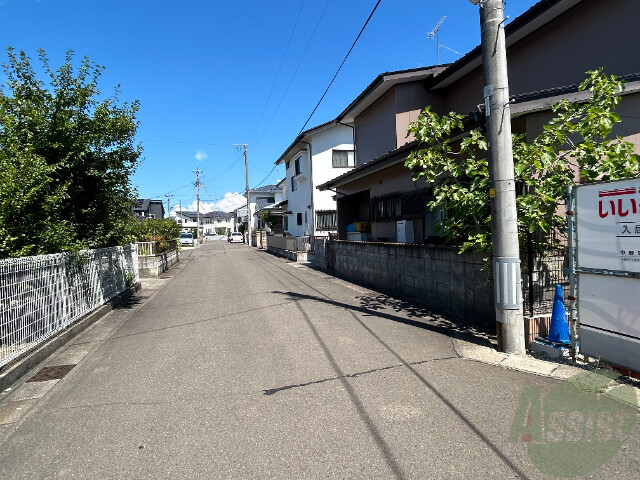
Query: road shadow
{"points": [[406, 313]]}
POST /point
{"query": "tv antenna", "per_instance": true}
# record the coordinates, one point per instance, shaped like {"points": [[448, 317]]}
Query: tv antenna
{"points": [[434, 33]]}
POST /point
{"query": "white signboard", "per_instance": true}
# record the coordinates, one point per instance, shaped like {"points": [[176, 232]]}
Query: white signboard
{"points": [[608, 309], [608, 225]]}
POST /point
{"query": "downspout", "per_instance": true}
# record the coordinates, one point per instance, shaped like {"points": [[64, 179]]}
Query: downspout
{"points": [[313, 209]]}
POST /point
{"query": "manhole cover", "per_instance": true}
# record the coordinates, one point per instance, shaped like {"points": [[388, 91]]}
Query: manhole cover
{"points": [[51, 373]]}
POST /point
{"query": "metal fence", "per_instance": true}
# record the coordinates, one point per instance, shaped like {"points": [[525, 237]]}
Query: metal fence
{"points": [[304, 244], [39, 296], [147, 249], [541, 272]]}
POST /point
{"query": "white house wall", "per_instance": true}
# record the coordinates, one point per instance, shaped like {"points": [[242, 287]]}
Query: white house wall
{"points": [[299, 199], [338, 137]]}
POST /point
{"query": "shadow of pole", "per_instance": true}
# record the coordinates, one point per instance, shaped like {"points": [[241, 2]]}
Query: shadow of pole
{"points": [[297, 297], [373, 430]]}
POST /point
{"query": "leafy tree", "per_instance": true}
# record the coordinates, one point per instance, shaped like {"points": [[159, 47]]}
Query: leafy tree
{"points": [[267, 218], [157, 230], [66, 157], [575, 145]]}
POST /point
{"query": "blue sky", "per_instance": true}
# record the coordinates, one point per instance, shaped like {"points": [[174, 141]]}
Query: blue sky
{"points": [[211, 74]]}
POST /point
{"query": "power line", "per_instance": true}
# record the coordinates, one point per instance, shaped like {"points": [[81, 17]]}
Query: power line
{"points": [[265, 178], [294, 73], [275, 80], [204, 143], [341, 65]]}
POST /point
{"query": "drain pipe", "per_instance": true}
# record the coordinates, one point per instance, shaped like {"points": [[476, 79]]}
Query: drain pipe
{"points": [[311, 205]]}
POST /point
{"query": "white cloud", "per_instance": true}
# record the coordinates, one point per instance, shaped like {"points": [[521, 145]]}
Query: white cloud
{"points": [[229, 203], [201, 155]]}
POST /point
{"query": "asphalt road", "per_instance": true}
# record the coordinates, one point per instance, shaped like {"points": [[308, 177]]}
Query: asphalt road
{"points": [[238, 364]]}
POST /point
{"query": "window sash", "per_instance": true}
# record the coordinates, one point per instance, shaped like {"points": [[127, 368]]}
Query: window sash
{"points": [[343, 158], [326, 220]]}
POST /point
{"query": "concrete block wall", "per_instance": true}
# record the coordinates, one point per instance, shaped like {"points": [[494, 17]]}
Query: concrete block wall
{"points": [[435, 276], [152, 266]]}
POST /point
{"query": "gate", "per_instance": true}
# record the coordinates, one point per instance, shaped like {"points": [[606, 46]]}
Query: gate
{"points": [[604, 237]]}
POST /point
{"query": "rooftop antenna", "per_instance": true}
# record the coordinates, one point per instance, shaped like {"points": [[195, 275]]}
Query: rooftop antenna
{"points": [[434, 33]]}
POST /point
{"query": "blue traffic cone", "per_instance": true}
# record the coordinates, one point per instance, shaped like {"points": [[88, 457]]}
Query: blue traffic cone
{"points": [[559, 328]]}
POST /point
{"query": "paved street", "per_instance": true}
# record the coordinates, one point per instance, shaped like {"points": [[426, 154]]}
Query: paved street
{"points": [[239, 364]]}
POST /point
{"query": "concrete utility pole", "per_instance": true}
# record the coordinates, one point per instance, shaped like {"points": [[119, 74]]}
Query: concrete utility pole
{"points": [[504, 222], [246, 174], [168, 195], [197, 172]]}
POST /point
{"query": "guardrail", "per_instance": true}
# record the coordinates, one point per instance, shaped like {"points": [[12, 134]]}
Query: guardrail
{"points": [[42, 295]]}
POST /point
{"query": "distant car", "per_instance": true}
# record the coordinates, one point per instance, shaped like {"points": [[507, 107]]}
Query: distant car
{"points": [[187, 239], [237, 237]]}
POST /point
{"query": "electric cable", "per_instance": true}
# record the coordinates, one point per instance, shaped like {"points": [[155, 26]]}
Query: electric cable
{"points": [[340, 67]]}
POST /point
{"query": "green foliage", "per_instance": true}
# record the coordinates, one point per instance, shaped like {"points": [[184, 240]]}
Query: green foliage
{"points": [[266, 217], [575, 144], [157, 230], [66, 157]]}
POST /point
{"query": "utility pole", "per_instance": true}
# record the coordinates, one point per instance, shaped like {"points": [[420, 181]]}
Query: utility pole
{"points": [[197, 172], [504, 222], [168, 195], [246, 175]]}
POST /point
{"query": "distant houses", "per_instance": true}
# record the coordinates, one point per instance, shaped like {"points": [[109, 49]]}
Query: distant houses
{"points": [[210, 223], [147, 208]]}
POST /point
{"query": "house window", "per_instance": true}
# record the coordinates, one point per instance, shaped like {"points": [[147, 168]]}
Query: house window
{"points": [[343, 158], [326, 220], [299, 218], [294, 184], [288, 164], [298, 170], [285, 223], [386, 208]]}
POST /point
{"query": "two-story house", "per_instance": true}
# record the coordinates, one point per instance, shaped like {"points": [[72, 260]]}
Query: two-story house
{"points": [[315, 156], [147, 208], [550, 48], [210, 222], [261, 197]]}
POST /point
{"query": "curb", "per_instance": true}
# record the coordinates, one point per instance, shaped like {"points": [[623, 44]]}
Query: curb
{"points": [[32, 358], [523, 363]]}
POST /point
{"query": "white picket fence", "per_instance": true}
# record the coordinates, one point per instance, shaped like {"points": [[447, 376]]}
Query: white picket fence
{"points": [[41, 295]]}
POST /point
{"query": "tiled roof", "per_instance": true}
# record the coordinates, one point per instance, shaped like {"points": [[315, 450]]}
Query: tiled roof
{"points": [[142, 204], [265, 188]]}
